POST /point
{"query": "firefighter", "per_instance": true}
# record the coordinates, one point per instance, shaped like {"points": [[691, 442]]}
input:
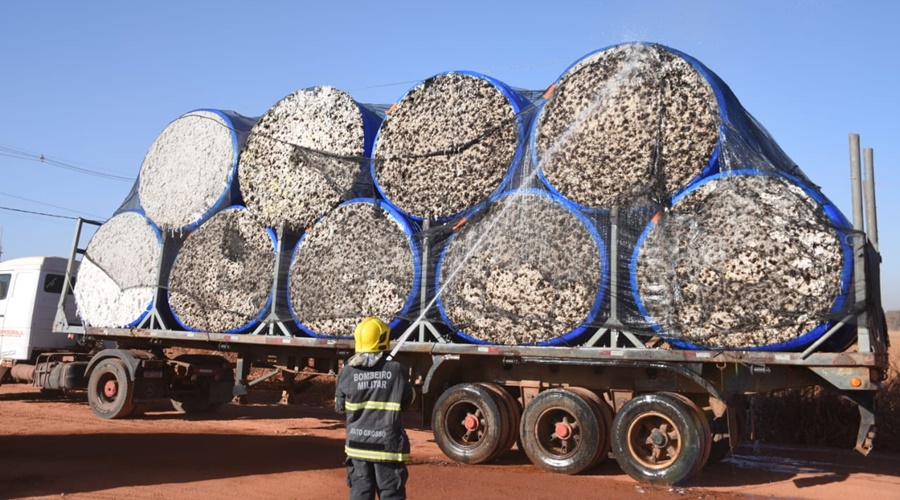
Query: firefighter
{"points": [[373, 390]]}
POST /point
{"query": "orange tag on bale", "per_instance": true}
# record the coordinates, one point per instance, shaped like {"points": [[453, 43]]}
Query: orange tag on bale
{"points": [[549, 90]]}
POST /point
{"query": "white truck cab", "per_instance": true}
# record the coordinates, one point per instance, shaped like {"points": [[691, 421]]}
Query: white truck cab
{"points": [[30, 290]]}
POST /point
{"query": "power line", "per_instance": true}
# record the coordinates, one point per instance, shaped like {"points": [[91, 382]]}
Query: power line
{"points": [[13, 152], [37, 213], [48, 205]]}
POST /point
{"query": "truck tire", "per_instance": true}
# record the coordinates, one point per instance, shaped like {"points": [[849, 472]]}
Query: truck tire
{"points": [[658, 439], [702, 423], [560, 432], [110, 390], [604, 420], [511, 415], [467, 423]]}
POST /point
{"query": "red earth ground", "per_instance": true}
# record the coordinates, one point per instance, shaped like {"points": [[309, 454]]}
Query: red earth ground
{"points": [[53, 446]]}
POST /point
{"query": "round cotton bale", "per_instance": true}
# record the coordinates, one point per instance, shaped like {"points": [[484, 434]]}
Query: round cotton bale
{"points": [[304, 155], [222, 276], [358, 261], [624, 125], [525, 270], [187, 175], [448, 144], [117, 279], [743, 261]]}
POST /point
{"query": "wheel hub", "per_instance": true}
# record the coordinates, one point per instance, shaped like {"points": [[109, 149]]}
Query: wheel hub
{"points": [[471, 422], [563, 430], [659, 439], [110, 388]]}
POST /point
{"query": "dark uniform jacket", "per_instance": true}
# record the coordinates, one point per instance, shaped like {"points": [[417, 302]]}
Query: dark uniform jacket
{"points": [[373, 398]]}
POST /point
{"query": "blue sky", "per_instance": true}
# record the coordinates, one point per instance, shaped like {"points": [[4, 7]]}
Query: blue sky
{"points": [[93, 83]]}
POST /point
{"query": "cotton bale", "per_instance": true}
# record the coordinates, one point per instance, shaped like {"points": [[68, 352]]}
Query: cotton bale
{"points": [[188, 173], [743, 261], [222, 276], [304, 156], [525, 269], [448, 144], [627, 125], [117, 279], [358, 261]]}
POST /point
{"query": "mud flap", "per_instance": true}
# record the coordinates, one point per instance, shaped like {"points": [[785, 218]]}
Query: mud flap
{"points": [[865, 437]]}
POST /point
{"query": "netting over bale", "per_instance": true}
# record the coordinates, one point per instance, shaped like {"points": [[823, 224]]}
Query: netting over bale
{"points": [[188, 171], [625, 125], [742, 261], [448, 144], [356, 262], [633, 200], [304, 155], [527, 270], [222, 277], [116, 281]]}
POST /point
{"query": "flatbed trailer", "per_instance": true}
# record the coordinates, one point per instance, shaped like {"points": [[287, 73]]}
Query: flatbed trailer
{"points": [[662, 412]]}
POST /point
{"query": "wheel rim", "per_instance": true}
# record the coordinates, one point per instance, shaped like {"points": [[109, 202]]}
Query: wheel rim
{"points": [[110, 389], [466, 424], [558, 433], [654, 440]]}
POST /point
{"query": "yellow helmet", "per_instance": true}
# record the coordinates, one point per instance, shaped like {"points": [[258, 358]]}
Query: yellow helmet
{"points": [[372, 335]]}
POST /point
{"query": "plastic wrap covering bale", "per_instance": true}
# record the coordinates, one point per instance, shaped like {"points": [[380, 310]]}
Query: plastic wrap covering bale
{"points": [[448, 144], [358, 261], [188, 173], [304, 155], [525, 269], [116, 282], [744, 261], [222, 277], [626, 125]]}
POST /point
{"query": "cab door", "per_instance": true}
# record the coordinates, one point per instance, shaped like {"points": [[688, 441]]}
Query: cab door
{"points": [[5, 287]]}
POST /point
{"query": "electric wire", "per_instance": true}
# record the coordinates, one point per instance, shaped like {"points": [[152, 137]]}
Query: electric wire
{"points": [[45, 204], [13, 152], [37, 213]]}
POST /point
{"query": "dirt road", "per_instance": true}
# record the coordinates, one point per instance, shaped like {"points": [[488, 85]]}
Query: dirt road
{"points": [[54, 446]]}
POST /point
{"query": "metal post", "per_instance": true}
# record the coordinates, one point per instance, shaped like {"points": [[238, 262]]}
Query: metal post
{"points": [[61, 322], [423, 282], [159, 316], [856, 183], [244, 363], [869, 186], [859, 268], [273, 323], [613, 267], [421, 324]]}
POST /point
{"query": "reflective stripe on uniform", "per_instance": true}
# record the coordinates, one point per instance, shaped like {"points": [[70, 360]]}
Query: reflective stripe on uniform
{"points": [[372, 405], [390, 456]]}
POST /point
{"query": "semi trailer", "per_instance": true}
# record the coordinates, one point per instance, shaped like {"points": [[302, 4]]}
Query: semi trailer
{"points": [[662, 412]]}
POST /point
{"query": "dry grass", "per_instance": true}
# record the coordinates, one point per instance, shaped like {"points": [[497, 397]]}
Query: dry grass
{"points": [[815, 416]]}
